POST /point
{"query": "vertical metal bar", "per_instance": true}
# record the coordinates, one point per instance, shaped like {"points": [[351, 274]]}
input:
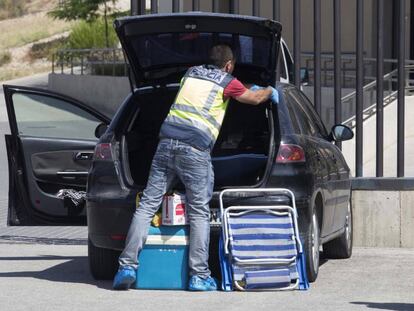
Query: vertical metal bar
{"points": [[53, 63], [113, 62], [154, 6], [337, 64], [276, 10], [296, 41], [359, 87], [61, 62], [139, 7], [317, 54], [82, 64], [256, 7], [215, 6], [401, 86], [134, 7], [234, 6], [143, 8], [380, 90], [176, 6], [196, 5], [103, 64]]}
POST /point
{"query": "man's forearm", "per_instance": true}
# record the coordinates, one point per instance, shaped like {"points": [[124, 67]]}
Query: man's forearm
{"points": [[263, 95], [255, 97]]}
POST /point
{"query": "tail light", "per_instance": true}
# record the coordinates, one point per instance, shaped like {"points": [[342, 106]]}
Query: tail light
{"points": [[290, 154], [103, 152], [118, 237]]}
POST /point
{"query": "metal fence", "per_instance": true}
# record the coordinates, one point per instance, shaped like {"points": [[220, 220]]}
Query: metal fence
{"points": [[371, 89], [138, 7], [105, 62]]}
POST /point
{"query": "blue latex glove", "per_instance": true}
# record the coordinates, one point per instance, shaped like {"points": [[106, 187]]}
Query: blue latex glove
{"points": [[255, 87], [275, 94]]}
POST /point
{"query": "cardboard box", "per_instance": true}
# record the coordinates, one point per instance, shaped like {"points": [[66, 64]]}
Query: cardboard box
{"points": [[174, 210]]}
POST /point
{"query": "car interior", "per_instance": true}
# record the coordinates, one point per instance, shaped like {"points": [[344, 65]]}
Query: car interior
{"points": [[240, 154]]}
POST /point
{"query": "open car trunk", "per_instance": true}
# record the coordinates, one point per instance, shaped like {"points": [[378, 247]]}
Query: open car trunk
{"points": [[160, 48], [240, 155]]}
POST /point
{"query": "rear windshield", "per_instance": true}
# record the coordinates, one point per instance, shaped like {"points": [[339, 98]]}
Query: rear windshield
{"points": [[191, 48]]}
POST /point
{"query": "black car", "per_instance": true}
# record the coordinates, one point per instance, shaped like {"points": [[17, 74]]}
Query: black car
{"points": [[52, 141]]}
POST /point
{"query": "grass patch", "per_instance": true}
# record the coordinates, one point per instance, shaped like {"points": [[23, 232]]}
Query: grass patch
{"points": [[5, 58], [29, 28]]}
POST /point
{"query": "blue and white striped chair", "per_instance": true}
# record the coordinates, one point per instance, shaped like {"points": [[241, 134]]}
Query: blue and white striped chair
{"points": [[260, 247]]}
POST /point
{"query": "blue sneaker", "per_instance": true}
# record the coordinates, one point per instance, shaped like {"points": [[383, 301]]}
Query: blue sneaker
{"points": [[199, 284], [124, 278]]}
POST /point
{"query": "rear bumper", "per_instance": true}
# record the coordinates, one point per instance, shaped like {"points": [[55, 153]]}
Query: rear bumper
{"points": [[109, 220], [108, 224]]}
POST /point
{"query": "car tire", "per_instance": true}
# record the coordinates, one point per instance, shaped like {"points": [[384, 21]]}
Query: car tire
{"points": [[341, 247], [103, 262], [310, 236]]}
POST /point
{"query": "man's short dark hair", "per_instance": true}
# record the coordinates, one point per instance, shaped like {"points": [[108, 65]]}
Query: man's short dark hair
{"points": [[220, 54]]}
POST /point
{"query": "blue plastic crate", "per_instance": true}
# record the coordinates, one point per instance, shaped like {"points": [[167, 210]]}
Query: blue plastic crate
{"points": [[163, 262]]}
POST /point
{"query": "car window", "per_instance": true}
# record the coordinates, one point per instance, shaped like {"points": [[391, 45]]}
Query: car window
{"points": [[289, 62], [50, 117], [155, 50], [303, 116], [292, 114], [282, 68], [307, 105]]}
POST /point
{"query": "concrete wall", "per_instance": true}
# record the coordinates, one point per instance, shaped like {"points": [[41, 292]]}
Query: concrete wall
{"points": [[101, 92], [383, 218]]}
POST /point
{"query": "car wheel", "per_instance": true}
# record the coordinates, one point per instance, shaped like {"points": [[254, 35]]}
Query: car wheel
{"points": [[103, 263], [311, 242], [341, 247]]}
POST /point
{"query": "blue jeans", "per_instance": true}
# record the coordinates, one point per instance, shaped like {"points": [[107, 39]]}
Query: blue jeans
{"points": [[193, 167]]}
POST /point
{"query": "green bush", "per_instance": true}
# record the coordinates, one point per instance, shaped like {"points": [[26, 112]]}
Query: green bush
{"points": [[5, 57], [92, 35]]}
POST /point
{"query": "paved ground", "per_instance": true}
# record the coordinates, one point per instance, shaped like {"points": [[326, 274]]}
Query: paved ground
{"points": [[46, 268], [39, 276]]}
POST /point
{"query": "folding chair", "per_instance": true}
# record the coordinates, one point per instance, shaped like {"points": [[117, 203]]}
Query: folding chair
{"points": [[260, 248]]}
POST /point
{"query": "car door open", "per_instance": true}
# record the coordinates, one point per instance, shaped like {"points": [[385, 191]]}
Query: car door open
{"points": [[50, 149]]}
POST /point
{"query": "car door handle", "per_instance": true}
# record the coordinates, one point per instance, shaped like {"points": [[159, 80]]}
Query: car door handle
{"points": [[83, 156]]}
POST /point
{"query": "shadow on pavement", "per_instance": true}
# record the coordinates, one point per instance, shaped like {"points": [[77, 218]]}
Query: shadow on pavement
{"points": [[74, 270], [387, 306], [13, 239]]}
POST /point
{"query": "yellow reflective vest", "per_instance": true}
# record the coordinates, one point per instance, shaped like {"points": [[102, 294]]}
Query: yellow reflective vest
{"points": [[198, 111]]}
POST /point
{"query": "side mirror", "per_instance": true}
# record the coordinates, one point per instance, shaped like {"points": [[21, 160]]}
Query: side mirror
{"points": [[341, 132], [100, 130]]}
